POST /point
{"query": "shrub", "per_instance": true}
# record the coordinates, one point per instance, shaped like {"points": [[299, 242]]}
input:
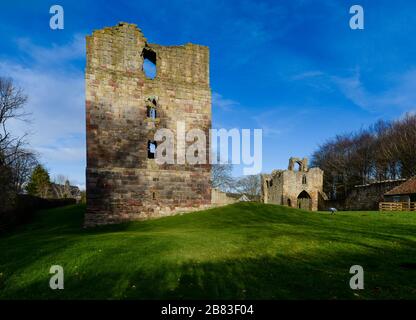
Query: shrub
{"points": [[24, 207]]}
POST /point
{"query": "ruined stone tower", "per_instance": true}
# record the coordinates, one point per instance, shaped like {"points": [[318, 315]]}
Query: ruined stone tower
{"points": [[300, 187], [124, 108]]}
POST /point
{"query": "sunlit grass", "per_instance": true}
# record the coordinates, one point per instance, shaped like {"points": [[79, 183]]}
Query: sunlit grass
{"points": [[242, 251]]}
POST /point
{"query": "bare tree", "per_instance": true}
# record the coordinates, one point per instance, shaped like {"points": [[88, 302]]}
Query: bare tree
{"points": [[383, 151], [249, 185], [62, 187], [221, 176], [12, 101], [403, 149], [19, 160], [22, 162]]}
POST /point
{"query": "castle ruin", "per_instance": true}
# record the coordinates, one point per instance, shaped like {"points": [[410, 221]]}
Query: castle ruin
{"points": [[298, 187], [124, 108]]}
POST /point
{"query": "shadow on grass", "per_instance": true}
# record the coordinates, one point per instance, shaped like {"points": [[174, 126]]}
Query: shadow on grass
{"points": [[256, 278], [156, 259]]}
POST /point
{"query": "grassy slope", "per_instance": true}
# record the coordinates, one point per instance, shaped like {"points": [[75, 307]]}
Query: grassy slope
{"points": [[245, 250]]}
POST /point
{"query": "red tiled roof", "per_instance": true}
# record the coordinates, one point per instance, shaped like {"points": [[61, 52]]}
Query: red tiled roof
{"points": [[407, 187]]}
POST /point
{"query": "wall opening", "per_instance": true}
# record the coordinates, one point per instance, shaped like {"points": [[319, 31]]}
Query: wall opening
{"points": [[304, 201], [149, 63], [304, 181], [151, 112], [289, 202], [151, 149]]}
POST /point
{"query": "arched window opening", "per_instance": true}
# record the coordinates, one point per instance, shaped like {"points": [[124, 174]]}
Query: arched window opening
{"points": [[304, 181], [149, 63], [304, 201]]}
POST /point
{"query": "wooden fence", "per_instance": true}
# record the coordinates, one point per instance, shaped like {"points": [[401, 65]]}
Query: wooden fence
{"points": [[397, 206]]}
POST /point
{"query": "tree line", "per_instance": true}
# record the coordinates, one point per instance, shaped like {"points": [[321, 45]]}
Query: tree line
{"points": [[20, 169], [383, 151], [222, 179]]}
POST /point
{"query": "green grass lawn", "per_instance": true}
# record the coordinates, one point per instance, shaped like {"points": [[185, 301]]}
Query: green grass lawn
{"points": [[242, 251]]}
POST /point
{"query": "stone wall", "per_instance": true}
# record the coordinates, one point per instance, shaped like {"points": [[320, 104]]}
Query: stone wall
{"points": [[122, 182], [294, 185], [367, 197], [284, 187], [220, 198], [272, 187]]}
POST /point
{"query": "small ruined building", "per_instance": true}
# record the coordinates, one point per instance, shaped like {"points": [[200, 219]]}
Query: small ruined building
{"points": [[65, 191], [298, 187], [133, 88], [221, 198], [400, 198]]}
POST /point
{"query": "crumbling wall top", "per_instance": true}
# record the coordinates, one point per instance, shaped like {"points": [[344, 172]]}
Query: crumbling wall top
{"points": [[123, 48], [303, 164]]}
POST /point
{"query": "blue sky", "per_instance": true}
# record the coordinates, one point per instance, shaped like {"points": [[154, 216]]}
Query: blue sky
{"points": [[293, 68]]}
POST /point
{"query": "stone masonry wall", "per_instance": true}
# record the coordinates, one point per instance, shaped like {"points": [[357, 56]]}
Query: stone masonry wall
{"points": [[369, 196], [283, 187], [122, 183], [220, 198], [293, 185], [272, 192]]}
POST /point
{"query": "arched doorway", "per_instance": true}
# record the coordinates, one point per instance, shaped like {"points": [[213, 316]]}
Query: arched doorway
{"points": [[304, 201]]}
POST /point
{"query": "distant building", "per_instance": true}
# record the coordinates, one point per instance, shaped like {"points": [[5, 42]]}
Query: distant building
{"points": [[244, 198], [62, 191], [368, 196], [406, 192], [300, 187], [400, 198], [221, 198]]}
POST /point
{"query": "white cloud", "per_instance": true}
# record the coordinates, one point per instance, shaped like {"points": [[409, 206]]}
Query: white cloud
{"points": [[56, 103], [400, 95], [281, 119], [218, 101], [63, 154], [307, 75], [55, 54]]}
